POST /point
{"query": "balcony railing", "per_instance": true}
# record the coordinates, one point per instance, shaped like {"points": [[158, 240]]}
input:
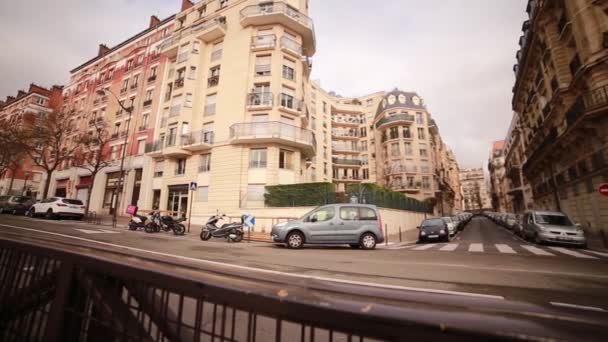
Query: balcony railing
{"points": [[174, 111], [197, 138], [290, 44], [342, 161], [289, 102], [596, 98], [179, 83], [156, 146], [260, 99], [266, 41], [277, 7], [346, 148], [274, 131], [395, 118], [213, 81]]}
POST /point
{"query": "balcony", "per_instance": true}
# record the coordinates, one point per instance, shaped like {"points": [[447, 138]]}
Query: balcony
{"points": [[178, 83], [353, 135], [263, 42], [406, 187], [148, 103], [260, 101], [210, 30], [348, 179], [351, 122], [170, 45], [395, 120], [155, 149], [345, 148], [283, 14], [198, 141], [346, 162], [291, 46], [289, 104], [173, 148], [274, 132], [213, 81]]}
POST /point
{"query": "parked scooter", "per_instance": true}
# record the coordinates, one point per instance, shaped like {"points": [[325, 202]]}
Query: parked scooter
{"points": [[233, 232], [166, 223], [138, 222]]}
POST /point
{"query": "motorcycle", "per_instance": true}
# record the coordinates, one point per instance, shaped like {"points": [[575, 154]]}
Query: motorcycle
{"points": [[166, 223], [137, 222], [233, 232]]}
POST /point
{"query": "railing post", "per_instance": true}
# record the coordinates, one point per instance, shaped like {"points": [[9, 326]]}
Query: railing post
{"points": [[56, 316], [400, 240], [386, 234]]}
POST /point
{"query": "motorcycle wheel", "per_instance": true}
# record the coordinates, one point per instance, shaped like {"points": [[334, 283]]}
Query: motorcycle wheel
{"points": [[179, 229], [239, 237], [132, 226], [150, 228], [205, 235]]}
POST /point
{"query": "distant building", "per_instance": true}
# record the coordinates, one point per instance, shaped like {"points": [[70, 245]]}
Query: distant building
{"points": [[496, 167], [474, 189]]}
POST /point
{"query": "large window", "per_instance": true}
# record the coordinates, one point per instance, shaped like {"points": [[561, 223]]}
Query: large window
{"points": [[205, 163], [210, 105], [349, 213], [180, 167], [202, 194], [285, 159], [289, 69], [421, 134], [395, 150], [263, 65], [258, 158], [158, 169]]}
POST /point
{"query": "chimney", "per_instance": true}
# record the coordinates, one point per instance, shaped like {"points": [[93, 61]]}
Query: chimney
{"points": [[186, 4], [103, 49], [1, 103], [21, 93], [9, 99], [154, 21]]}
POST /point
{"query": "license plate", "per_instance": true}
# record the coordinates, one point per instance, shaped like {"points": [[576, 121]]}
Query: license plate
{"points": [[73, 207], [564, 238], [433, 236]]}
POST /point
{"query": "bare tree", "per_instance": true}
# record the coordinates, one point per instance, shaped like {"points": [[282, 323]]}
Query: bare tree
{"points": [[13, 150], [49, 145], [93, 154]]}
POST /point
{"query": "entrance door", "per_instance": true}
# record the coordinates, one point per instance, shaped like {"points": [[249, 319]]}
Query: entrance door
{"points": [[81, 194], [178, 200]]}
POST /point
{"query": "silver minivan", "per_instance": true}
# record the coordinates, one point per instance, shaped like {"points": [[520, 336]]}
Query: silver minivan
{"points": [[552, 226], [358, 225]]}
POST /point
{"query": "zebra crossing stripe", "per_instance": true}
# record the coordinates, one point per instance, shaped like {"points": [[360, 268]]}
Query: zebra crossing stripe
{"points": [[109, 231], [423, 247], [449, 247], [476, 247], [572, 253], [536, 250], [596, 252], [87, 231], [505, 249]]}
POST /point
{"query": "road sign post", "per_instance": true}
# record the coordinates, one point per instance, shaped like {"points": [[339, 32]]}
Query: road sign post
{"points": [[193, 187], [603, 189]]}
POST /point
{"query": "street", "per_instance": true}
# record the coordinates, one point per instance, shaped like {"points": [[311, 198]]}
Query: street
{"points": [[484, 260]]}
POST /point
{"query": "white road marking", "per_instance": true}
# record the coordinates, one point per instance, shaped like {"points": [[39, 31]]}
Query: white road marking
{"points": [[423, 247], [449, 247], [261, 270], [476, 247], [404, 247], [583, 307], [505, 249], [109, 231], [596, 252], [87, 231], [572, 253], [536, 250]]}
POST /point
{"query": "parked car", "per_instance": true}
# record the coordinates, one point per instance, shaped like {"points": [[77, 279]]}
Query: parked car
{"points": [[435, 229], [509, 221], [358, 225], [3, 201], [57, 207], [518, 227], [551, 226], [450, 225], [17, 205]]}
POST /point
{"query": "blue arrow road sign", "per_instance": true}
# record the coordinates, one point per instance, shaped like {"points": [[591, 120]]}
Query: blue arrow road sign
{"points": [[249, 220]]}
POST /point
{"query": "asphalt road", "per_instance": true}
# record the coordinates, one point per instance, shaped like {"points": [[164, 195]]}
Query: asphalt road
{"points": [[484, 259]]}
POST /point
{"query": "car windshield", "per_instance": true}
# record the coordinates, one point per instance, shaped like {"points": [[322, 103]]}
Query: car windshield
{"points": [[432, 222], [22, 199], [447, 219], [553, 220], [72, 201]]}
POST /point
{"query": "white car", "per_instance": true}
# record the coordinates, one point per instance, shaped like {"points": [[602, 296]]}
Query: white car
{"points": [[451, 225], [57, 207]]}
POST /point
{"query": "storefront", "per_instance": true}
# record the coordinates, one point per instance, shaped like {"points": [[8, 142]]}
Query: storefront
{"points": [[178, 200], [111, 198], [136, 186], [82, 189], [61, 187]]}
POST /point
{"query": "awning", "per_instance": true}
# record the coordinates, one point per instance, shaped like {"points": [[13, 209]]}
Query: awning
{"points": [[62, 183], [84, 182]]}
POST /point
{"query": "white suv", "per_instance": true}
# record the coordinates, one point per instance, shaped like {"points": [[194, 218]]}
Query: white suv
{"points": [[57, 207]]}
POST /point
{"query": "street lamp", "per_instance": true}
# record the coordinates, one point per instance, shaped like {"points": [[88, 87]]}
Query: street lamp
{"points": [[102, 92]]}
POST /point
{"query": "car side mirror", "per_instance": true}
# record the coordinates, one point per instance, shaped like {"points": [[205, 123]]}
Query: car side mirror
{"points": [[313, 219], [418, 227]]}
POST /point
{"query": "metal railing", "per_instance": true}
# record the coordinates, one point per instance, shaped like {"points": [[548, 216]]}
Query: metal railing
{"points": [[396, 117], [291, 44], [274, 8], [260, 99], [265, 41], [156, 146], [290, 102], [199, 137], [342, 161], [213, 81], [272, 129], [205, 25]]}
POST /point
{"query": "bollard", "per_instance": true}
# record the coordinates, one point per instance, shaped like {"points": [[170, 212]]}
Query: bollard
{"points": [[400, 240], [386, 234], [249, 235]]}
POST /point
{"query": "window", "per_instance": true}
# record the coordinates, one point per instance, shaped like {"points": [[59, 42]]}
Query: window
{"points": [[185, 128], [113, 152], [287, 98], [419, 118], [285, 159], [421, 134], [365, 174], [367, 214], [116, 128], [202, 11], [135, 81], [257, 158], [324, 107], [214, 76], [408, 149], [255, 192], [202, 194], [129, 64], [204, 163], [407, 133], [223, 3], [321, 215], [144, 120], [325, 169], [289, 68], [125, 85], [172, 136], [192, 73], [216, 51], [349, 214], [210, 105], [394, 133], [188, 101], [141, 146], [394, 150], [180, 167], [262, 65], [426, 183], [423, 152], [148, 98], [196, 46]]}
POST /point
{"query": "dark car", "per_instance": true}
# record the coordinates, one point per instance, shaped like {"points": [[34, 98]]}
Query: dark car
{"points": [[435, 229], [17, 205], [3, 202]]}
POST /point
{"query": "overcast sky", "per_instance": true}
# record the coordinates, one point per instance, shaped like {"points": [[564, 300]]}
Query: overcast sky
{"points": [[457, 54]]}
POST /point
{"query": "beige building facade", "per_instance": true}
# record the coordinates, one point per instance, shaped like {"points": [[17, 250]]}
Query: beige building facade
{"points": [[561, 99], [474, 189]]}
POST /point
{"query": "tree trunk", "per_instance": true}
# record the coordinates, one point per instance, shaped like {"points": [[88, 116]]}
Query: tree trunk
{"points": [[47, 184], [10, 185], [86, 208]]}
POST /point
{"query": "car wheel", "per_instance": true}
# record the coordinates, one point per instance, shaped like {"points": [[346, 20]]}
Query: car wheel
{"points": [[354, 246], [367, 241], [446, 239], [49, 214], [14, 212], [295, 240], [1, 210], [537, 239], [31, 213]]}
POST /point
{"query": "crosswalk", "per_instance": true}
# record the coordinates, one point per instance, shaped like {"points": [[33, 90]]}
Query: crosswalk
{"points": [[517, 249], [99, 231]]}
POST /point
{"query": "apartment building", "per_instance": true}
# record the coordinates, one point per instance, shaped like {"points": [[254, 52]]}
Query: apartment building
{"points": [[561, 100], [128, 74], [23, 109], [518, 196], [496, 168], [474, 189]]}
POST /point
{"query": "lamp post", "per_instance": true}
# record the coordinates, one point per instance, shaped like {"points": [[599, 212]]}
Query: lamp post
{"points": [[102, 92]]}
